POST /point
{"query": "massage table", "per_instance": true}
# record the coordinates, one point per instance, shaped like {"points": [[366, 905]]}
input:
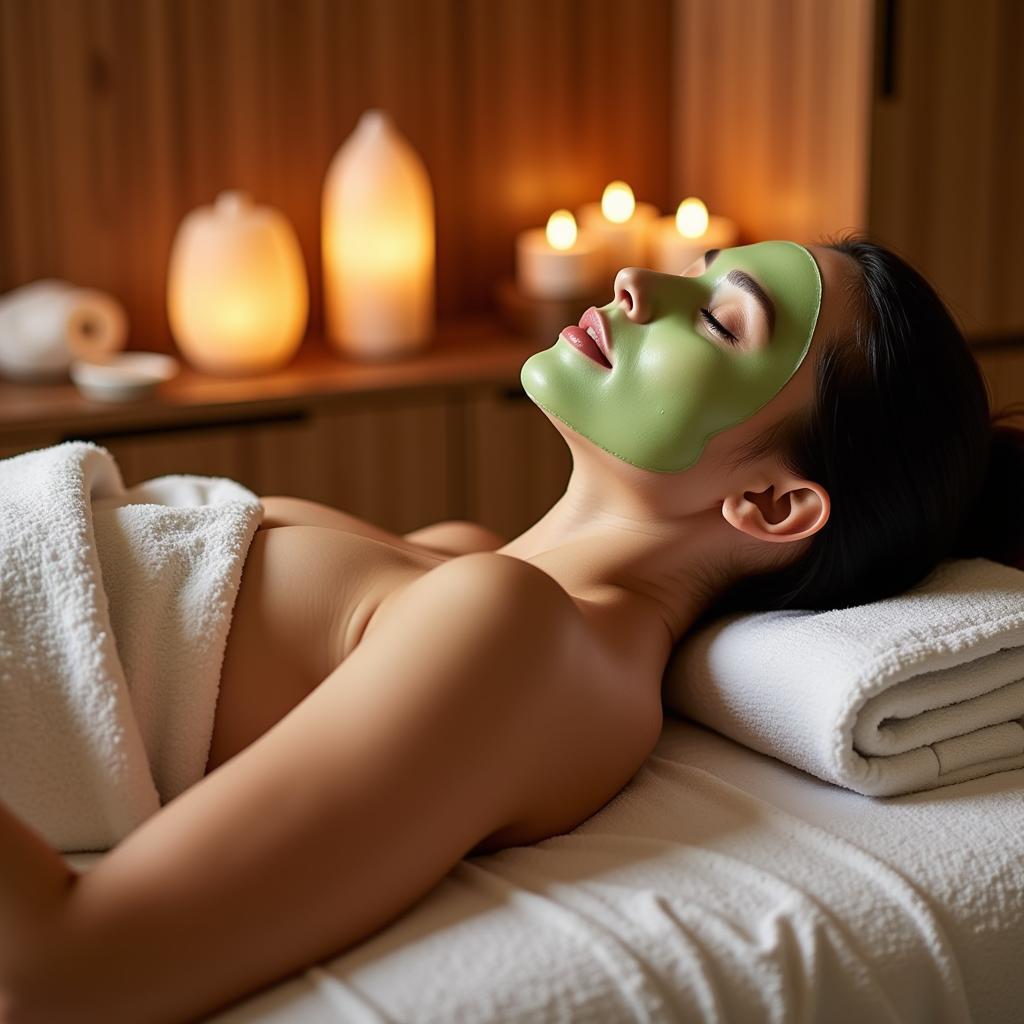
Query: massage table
{"points": [[719, 885]]}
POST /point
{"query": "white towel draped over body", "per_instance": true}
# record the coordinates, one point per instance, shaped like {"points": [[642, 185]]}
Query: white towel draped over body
{"points": [[115, 606], [916, 691]]}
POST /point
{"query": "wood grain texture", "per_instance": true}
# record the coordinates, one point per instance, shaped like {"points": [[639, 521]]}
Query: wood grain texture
{"points": [[518, 463], [402, 444], [468, 353], [948, 156], [117, 117], [772, 112], [1003, 369], [385, 462]]}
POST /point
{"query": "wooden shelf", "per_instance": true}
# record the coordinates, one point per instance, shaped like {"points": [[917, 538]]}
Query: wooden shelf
{"points": [[463, 352]]}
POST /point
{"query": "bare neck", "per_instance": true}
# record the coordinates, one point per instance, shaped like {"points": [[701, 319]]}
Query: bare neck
{"points": [[649, 573]]}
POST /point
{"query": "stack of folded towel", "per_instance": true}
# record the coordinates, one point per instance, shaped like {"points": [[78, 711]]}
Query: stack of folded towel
{"points": [[114, 613], [916, 691]]}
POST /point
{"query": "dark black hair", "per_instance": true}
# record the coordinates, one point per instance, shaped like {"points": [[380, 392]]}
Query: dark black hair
{"points": [[901, 436]]}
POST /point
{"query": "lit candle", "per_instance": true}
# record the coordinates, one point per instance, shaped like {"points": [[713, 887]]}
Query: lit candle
{"points": [[559, 261], [378, 243], [676, 241], [237, 294], [621, 225]]}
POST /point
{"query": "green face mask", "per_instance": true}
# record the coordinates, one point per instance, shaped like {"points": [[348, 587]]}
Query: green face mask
{"points": [[675, 381]]}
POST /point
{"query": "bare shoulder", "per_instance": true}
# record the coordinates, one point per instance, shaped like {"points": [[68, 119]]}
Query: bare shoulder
{"points": [[496, 591], [517, 632], [488, 568]]}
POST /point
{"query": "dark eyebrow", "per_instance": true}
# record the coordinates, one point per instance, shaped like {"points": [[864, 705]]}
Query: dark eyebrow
{"points": [[710, 256], [743, 280]]}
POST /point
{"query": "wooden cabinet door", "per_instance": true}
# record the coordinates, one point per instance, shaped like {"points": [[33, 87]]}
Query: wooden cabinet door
{"points": [[393, 460], [204, 450], [517, 463], [11, 446], [248, 450], [947, 152]]}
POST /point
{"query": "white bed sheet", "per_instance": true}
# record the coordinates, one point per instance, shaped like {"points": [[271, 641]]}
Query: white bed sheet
{"points": [[720, 885]]}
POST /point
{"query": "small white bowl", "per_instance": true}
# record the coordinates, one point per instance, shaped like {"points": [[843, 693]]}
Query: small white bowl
{"points": [[124, 377]]}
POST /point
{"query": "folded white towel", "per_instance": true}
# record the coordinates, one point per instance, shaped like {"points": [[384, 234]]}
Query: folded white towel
{"points": [[920, 690], [114, 613]]}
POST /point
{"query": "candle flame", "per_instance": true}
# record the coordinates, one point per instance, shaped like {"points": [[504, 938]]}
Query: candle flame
{"points": [[617, 202], [561, 230], [691, 218]]}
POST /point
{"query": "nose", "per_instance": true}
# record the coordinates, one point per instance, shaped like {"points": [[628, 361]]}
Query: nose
{"points": [[632, 293]]}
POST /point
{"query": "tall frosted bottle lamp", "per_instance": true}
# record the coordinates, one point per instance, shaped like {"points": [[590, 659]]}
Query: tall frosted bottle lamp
{"points": [[378, 244]]}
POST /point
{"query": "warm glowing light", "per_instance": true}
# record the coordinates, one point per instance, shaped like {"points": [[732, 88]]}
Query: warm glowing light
{"points": [[617, 202], [561, 230], [691, 218], [237, 294], [378, 242]]}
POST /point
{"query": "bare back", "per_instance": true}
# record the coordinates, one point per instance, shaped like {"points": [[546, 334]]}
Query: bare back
{"points": [[308, 596], [305, 598], [474, 704]]}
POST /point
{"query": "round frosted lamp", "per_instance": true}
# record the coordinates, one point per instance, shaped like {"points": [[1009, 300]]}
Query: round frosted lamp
{"points": [[237, 293]]}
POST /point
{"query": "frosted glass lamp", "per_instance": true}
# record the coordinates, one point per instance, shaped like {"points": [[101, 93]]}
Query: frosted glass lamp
{"points": [[378, 244], [237, 291]]}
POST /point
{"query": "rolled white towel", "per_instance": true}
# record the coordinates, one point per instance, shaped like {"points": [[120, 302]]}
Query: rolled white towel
{"points": [[919, 690], [46, 324]]}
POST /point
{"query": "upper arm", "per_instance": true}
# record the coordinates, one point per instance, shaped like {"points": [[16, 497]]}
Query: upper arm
{"points": [[341, 815]]}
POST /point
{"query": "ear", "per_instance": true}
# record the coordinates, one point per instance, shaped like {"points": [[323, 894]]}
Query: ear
{"points": [[798, 510]]}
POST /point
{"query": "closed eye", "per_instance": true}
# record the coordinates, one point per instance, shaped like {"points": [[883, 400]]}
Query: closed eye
{"points": [[716, 328]]}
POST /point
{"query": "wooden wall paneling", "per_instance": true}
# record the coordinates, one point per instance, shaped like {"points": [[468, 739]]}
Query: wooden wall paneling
{"points": [[302, 67], [30, 442], [118, 118], [1003, 369], [391, 463], [948, 156], [1002, 194], [214, 451], [27, 233], [559, 99], [323, 63], [394, 460], [156, 171], [518, 464], [285, 457], [413, 69], [75, 172], [7, 171], [772, 112]]}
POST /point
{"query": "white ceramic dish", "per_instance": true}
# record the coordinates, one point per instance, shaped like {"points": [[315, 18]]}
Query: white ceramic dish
{"points": [[124, 377]]}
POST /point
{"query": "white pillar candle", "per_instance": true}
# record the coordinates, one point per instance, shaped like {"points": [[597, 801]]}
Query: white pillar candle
{"points": [[558, 261], [678, 240], [378, 244], [621, 225]]}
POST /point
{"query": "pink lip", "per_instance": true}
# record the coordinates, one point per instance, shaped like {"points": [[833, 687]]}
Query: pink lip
{"points": [[578, 337]]}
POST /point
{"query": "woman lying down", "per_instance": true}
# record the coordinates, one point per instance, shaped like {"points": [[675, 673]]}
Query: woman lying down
{"points": [[778, 427]]}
